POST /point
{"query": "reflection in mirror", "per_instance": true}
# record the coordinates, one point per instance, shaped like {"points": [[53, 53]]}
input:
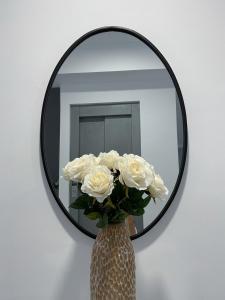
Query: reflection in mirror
{"points": [[113, 92]]}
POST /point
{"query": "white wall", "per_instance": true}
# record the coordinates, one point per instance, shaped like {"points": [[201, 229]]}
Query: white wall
{"points": [[42, 256]]}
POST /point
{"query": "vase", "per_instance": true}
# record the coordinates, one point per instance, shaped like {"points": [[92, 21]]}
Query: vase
{"points": [[113, 265]]}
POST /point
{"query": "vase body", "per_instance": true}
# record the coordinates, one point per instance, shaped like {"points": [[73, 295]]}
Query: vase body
{"points": [[113, 265]]}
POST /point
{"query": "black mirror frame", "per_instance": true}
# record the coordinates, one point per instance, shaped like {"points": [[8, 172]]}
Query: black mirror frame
{"points": [[184, 118]]}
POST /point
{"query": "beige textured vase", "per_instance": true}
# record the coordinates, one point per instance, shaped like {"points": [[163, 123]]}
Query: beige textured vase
{"points": [[113, 265]]}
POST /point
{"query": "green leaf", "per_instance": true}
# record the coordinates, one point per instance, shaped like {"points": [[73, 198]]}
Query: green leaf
{"points": [[110, 204], [119, 216], [118, 192], [133, 193], [126, 205], [139, 212], [135, 210], [103, 221], [135, 197], [145, 201], [81, 202], [93, 215]]}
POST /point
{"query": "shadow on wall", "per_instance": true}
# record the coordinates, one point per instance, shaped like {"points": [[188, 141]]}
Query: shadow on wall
{"points": [[74, 284], [152, 288]]}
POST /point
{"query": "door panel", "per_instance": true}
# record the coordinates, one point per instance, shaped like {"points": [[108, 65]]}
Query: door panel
{"points": [[118, 134], [92, 135]]}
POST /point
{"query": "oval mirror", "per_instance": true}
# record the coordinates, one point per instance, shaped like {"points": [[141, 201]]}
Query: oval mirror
{"points": [[113, 89]]}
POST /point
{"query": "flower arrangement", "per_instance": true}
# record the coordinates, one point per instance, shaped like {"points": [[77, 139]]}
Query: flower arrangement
{"points": [[113, 187]]}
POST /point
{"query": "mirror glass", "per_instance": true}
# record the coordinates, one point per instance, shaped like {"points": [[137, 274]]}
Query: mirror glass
{"points": [[112, 91]]}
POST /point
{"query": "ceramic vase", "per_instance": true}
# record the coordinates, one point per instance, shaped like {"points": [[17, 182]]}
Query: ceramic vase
{"points": [[113, 265]]}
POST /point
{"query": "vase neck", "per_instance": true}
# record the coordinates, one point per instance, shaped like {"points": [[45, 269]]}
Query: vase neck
{"points": [[115, 230]]}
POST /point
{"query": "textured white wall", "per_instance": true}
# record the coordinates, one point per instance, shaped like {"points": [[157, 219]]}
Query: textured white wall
{"points": [[42, 256]]}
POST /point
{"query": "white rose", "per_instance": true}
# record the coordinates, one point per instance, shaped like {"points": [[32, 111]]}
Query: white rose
{"points": [[135, 171], [109, 159], [157, 188], [77, 169], [98, 183]]}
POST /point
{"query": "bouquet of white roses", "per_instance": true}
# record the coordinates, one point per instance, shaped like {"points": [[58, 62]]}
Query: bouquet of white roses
{"points": [[113, 187]]}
